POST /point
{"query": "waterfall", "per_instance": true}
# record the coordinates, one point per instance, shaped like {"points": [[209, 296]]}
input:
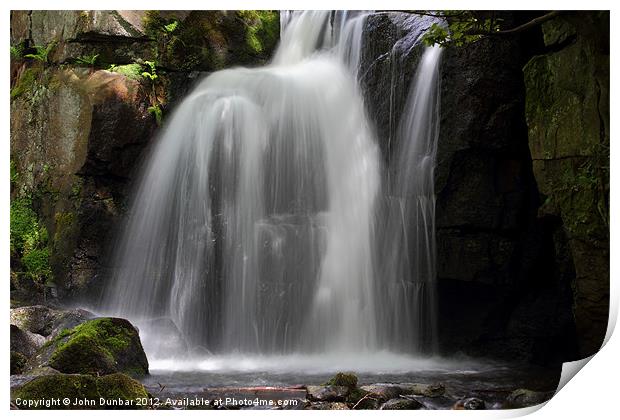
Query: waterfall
{"points": [[408, 260], [253, 224]]}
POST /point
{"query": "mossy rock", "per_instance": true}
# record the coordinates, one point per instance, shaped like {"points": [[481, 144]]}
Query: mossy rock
{"points": [[110, 391], [18, 363], [344, 379], [210, 40], [98, 347]]}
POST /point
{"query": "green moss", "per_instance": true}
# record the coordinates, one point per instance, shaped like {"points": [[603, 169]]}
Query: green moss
{"points": [[131, 71], [98, 346], [82, 355], [18, 362], [262, 30], [37, 264], [120, 386], [64, 222], [344, 379], [29, 240], [112, 387], [26, 82]]}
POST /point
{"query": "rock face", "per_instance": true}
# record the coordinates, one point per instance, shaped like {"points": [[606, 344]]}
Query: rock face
{"points": [[97, 347], [501, 289], [115, 387], [567, 112], [78, 131]]}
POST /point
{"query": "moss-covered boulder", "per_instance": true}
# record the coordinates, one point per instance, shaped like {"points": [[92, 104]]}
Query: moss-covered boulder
{"points": [[82, 391], [18, 363], [98, 347], [348, 380]]}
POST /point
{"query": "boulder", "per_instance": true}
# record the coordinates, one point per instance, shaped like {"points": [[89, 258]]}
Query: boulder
{"points": [[25, 342], [115, 387], [329, 393], [471, 403], [47, 322], [401, 404], [348, 380], [426, 390], [100, 346], [328, 406], [521, 398], [37, 319], [18, 363], [383, 392]]}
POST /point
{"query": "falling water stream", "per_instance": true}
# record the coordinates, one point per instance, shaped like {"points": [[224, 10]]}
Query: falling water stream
{"points": [[253, 229]]}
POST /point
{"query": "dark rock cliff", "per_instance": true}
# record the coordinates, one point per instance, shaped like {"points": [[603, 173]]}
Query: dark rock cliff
{"points": [[567, 113]]}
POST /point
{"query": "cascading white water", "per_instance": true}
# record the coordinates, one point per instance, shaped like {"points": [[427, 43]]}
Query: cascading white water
{"points": [[408, 260], [253, 221], [253, 225]]}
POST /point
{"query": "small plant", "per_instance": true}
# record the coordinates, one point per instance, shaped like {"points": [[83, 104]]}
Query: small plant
{"points": [[150, 74], [87, 60], [156, 111], [17, 51], [29, 240], [171, 27], [42, 53]]}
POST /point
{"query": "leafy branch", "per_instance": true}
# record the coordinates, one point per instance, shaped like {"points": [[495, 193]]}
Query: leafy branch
{"points": [[458, 28]]}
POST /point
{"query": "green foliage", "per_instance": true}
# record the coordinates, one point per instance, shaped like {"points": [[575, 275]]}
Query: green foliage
{"points": [[459, 28], [151, 72], [156, 111], [17, 51], [137, 71], [37, 264], [131, 71], [42, 52], [171, 27], [87, 60], [29, 240]]}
